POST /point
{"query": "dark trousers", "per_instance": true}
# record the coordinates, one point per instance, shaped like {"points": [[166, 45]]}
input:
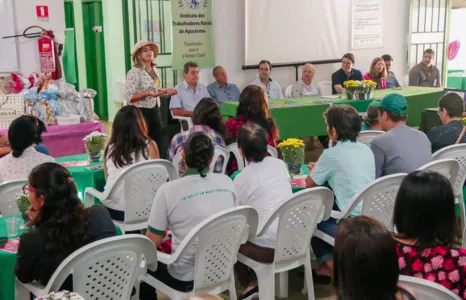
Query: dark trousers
{"points": [[246, 275], [154, 123], [116, 215]]}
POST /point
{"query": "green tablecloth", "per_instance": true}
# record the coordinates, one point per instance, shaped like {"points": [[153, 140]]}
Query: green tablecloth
{"points": [[302, 117], [457, 81], [83, 176]]}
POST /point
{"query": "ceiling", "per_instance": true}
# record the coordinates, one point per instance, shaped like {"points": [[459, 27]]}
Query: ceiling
{"points": [[458, 3]]}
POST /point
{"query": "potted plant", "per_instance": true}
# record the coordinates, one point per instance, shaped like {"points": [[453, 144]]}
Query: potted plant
{"points": [[95, 144], [63, 295], [293, 154], [22, 200]]}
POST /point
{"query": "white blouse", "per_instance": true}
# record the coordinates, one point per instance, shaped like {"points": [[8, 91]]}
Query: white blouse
{"points": [[18, 168]]}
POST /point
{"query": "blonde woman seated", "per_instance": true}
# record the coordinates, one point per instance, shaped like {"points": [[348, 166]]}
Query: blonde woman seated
{"points": [[306, 86], [378, 73]]}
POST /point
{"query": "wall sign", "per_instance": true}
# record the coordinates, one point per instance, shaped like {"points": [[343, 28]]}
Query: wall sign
{"points": [[367, 24], [42, 12]]}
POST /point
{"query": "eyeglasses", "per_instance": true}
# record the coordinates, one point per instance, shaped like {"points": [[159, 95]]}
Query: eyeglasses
{"points": [[26, 189]]}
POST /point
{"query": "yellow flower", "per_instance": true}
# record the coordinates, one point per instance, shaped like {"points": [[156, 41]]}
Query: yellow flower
{"points": [[291, 143]]}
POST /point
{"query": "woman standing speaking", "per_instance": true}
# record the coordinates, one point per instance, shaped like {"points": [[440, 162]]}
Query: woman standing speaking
{"points": [[143, 87]]}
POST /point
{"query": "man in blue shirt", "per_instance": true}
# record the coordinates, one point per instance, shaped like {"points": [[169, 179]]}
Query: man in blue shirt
{"points": [[220, 90], [391, 78], [345, 73], [190, 92]]}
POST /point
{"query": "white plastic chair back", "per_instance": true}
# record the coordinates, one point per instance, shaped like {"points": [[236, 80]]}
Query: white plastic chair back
{"points": [[447, 167], [105, 269], [428, 290], [272, 151], [8, 192], [457, 152], [288, 91], [241, 162], [325, 87], [367, 136], [220, 151], [186, 120]]}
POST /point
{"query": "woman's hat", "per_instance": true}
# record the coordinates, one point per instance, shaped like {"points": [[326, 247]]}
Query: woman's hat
{"points": [[142, 44]]}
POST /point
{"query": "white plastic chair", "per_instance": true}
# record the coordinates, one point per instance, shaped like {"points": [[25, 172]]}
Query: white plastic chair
{"points": [[427, 290], [217, 241], [139, 182], [183, 120], [325, 87], [288, 91], [367, 136], [219, 151], [457, 152], [8, 192], [298, 218], [447, 167], [378, 201], [105, 269], [241, 162]]}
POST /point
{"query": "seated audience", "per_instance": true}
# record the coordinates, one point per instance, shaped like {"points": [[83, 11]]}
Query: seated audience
{"points": [[221, 90], [378, 73], [371, 120], [190, 92], [366, 263], [451, 108], [129, 144], [391, 78], [170, 210], [253, 107], [401, 149], [306, 86], [22, 135], [425, 73], [263, 184], [273, 89], [347, 72], [206, 118], [347, 168], [61, 224], [425, 219]]}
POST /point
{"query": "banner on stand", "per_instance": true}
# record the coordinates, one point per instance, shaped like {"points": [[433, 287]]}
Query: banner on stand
{"points": [[367, 24]]}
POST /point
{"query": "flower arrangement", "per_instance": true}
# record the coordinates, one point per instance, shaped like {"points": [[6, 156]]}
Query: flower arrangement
{"points": [[363, 89], [63, 295], [23, 203], [463, 121], [95, 143], [293, 154]]}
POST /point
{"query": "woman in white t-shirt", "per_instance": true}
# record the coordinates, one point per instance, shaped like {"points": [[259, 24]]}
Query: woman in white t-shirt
{"points": [[129, 144], [263, 184]]}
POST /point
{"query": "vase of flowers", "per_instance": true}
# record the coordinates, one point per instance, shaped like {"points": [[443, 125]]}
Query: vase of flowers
{"points": [[22, 201], [63, 295], [351, 87], [293, 154], [95, 144], [369, 87]]}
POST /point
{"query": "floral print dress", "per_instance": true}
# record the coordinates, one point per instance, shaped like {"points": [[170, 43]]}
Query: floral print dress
{"points": [[139, 80]]}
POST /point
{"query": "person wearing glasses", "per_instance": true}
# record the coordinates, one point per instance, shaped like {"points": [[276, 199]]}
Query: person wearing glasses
{"points": [[221, 90], [22, 135]]}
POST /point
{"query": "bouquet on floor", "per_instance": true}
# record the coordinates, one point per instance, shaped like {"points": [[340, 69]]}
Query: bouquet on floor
{"points": [[95, 144], [63, 295], [293, 154]]}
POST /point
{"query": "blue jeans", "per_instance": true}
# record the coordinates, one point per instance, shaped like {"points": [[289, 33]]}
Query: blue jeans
{"points": [[323, 250]]}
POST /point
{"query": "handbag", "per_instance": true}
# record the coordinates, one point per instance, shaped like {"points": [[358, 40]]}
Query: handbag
{"points": [[461, 135]]}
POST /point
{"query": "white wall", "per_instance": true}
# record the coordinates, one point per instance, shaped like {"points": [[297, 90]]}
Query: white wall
{"points": [[457, 25], [230, 36], [25, 16]]}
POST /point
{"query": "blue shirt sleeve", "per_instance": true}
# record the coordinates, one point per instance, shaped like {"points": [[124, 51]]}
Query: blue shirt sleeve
{"points": [[41, 148], [323, 169], [211, 91], [175, 101]]}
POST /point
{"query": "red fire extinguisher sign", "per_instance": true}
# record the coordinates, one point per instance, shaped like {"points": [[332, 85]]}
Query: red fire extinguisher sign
{"points": [[47, 55]]}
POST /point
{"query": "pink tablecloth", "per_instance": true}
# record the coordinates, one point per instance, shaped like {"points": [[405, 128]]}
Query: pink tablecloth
{"points": [[66, 140]]}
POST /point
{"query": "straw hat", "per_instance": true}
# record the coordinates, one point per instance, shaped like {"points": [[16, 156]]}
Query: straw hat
{"points": [[142, 44]]}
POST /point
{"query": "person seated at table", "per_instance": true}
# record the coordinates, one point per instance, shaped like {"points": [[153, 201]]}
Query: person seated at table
{"points": [[347, 72], [253, 107], [451, 108], [345, 176], [273, 88], [391, 78], [190, 92], [129, 144], [170, 209], [22, 135], [425, 220], [371, 120], [60, 222], [206, 118], [425, 73], [401, 149], [221, 90], [306, 86], [377, 73], [366, 262], [263, 184]]}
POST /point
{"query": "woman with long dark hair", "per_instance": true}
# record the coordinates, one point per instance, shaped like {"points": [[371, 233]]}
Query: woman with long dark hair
{"points": [[129, 144], [206, 118], [253, 107], [60, 222], [425, 220], [365, 262]]}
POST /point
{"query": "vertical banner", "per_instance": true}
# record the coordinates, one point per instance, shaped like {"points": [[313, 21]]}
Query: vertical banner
{"points": [[193, 33], [367, 24]]}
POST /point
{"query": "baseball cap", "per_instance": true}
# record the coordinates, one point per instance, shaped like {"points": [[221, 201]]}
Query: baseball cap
{"points": [[392, 102]]}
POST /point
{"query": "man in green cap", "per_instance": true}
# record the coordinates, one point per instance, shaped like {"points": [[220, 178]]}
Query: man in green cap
{"points": [[401, 149]]}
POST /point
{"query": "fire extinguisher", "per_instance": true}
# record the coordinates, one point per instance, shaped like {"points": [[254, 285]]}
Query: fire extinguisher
{"points": [[47, 58]]}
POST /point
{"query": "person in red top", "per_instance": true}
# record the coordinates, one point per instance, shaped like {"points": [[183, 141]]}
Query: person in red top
{"points": [[425, 219], [253, 107]]}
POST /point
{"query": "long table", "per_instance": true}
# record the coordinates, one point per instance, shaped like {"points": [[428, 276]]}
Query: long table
{"points": [[303, 117]]}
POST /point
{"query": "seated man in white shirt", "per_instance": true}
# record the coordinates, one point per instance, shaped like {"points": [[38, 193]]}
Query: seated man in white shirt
{"points": [[184, 203], [190, 92], [273, 89], [263, 184]]}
